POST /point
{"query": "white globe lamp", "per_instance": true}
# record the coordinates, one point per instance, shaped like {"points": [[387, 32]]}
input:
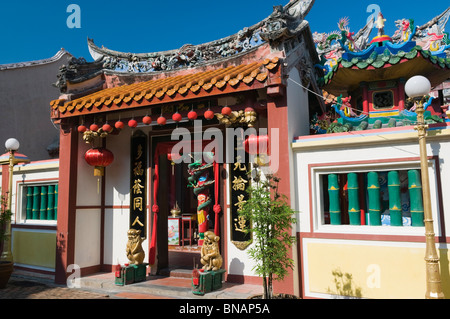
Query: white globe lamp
{"points": [[417, 86]]}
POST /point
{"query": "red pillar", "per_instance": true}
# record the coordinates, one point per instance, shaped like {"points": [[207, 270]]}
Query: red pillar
{"points": [[5, 180], [277, 118], [5, 187], [65, 229], [401, 94], [365, 98]]}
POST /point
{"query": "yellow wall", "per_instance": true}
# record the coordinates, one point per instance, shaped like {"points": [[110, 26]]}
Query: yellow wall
{"points": [[369, 271], [34, 248]]}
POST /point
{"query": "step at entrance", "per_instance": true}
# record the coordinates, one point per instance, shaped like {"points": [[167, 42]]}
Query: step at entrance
{"points": [[177, 272]]}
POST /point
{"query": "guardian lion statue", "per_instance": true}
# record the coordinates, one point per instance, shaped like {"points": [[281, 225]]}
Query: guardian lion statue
{"points": [[210, 253], [135, 252]]}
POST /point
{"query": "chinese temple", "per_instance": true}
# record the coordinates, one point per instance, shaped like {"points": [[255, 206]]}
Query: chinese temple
{"points": [[363, 232], [155, 149], [122, 166]]}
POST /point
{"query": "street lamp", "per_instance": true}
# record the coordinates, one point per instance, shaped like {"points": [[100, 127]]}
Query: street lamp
{"points": [[11, 145], [417, 88]]}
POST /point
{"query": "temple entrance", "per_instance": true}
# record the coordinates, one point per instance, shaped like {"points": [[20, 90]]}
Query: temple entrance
{"points": [[179, 227], [181, 208]]}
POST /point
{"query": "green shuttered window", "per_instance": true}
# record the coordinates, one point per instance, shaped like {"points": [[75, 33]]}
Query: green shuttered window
{"points": [[376, 198], [41, 202]]}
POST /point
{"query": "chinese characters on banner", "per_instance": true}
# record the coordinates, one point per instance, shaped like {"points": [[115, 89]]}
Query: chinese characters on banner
{"points": [[239, 182], [138, 182]]}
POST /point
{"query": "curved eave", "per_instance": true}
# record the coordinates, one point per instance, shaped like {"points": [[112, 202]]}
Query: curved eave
{"points": [[173, 89], [345, 78], [297, 9]]}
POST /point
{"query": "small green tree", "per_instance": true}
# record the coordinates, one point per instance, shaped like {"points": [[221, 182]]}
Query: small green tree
{"points": [[5, 217], [272, 219]]}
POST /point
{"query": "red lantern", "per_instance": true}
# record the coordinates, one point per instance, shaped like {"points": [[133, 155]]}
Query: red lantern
{"points": [[173, 156], [146, 119], [255, 145], [192, 115], [209, 115], [82, 128], [119, 125], [132, 123], [99, 158], [177, 117], [93, 127], [161, 120], [226, 110], [107, 128]]}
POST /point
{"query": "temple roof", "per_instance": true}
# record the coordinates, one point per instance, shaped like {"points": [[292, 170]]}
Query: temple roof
{"points": [[347, 75], [247, 60], [234, 78], [347, 61], [285, 21]]}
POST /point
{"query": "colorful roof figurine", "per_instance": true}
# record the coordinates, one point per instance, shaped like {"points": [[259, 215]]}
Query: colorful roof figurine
{"points": [[351, 64], [349, 61]]}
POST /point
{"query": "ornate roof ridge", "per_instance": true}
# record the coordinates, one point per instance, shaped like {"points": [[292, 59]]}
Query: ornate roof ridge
{"points": [[25, 64], [388, 58], [294, 10]]}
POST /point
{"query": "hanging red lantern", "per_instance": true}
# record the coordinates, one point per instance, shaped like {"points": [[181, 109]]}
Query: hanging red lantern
{"points": [[146, 119], [161, 120], [132, 123], [209, 115], [173, 156], [192, 115], [107, 128], [82, 128], [255, 145], [119, 125], [94, 127], [177, 117], [226, 110], [99, 158]]}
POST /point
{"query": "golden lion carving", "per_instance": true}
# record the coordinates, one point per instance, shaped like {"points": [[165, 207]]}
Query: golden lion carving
{"points": [[135, 252], [210, 253]]}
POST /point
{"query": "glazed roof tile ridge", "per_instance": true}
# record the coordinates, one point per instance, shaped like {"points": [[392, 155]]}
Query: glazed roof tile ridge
{"points": [[169, 86], [381, 61]]}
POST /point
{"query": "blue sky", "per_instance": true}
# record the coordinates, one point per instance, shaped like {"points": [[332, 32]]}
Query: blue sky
{"points": [[32, 30]]}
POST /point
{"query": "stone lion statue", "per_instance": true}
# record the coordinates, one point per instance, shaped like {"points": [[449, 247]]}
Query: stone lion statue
{"points": [[210, 253], [135, 252]]}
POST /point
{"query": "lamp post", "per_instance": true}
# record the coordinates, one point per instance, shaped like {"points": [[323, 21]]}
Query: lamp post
{"points": [[417, 88], [11, 145]]}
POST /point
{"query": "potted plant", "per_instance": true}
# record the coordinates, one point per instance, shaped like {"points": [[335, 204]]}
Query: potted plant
{"points": [[6, 267], [272, 219]]}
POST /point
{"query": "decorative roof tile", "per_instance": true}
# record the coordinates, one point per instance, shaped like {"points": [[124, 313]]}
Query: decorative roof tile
{"points": [[155, 90]]}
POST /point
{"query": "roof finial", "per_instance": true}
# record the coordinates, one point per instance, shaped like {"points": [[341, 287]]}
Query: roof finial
{"points": [[379, 24]]}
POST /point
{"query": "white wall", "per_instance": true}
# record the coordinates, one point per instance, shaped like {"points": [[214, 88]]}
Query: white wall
{"points": [[88, 212], [117, 198], [342, 151], [31, 173]]}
